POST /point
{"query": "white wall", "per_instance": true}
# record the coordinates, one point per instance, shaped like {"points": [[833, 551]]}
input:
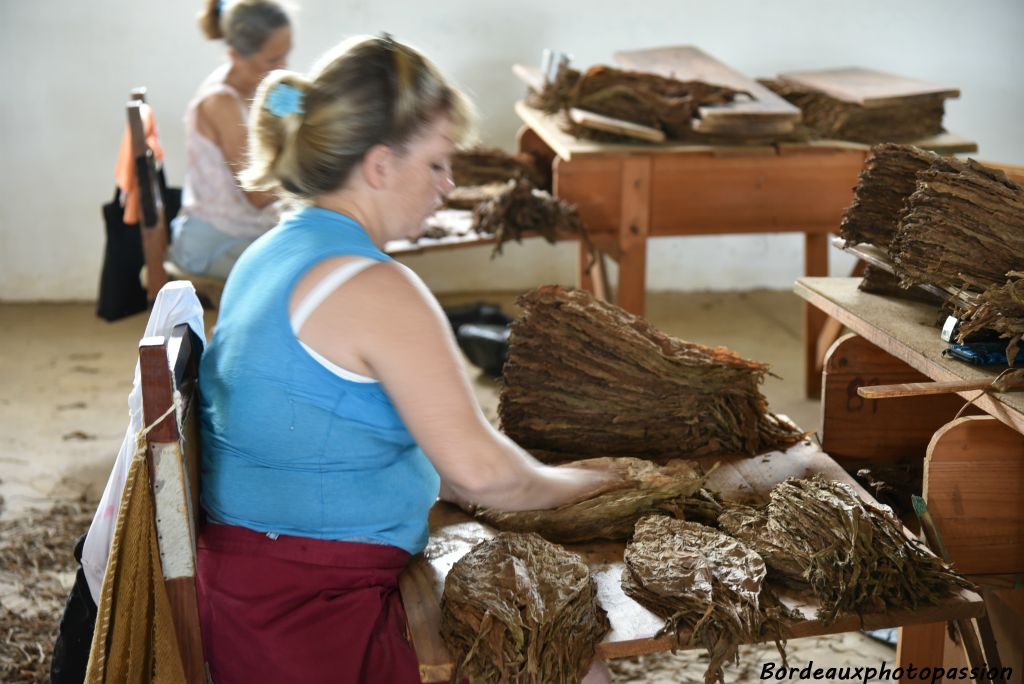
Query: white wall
{"points": [[67, 66]]}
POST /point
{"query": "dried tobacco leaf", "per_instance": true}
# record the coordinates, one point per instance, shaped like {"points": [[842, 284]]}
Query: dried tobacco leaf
{"points": [[852, 555], [889, 177], [641, 487], [517, 608], [999, 308], [483, 165], [699, 580], [963, 226], [911, 119], [585, 378], [522, 208], [666, 104]]}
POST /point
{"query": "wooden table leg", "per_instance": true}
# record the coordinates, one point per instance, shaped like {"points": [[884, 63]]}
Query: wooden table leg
{"points": [[815, 264], [634, 226], [920, 646]]}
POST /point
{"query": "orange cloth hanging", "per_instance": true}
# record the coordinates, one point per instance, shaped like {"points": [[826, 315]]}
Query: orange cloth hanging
{"points": [[124, 170]]}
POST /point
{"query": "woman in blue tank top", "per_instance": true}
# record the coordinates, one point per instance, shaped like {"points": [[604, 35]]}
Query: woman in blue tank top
{"points": [[335, 405]]}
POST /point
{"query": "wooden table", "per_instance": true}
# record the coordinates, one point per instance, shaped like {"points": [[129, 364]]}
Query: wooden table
{"points": [[628, 193], [973, 465], [632, 626]]}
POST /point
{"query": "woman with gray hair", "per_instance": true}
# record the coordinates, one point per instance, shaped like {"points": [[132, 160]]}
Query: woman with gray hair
{"points": [[218, 219]]}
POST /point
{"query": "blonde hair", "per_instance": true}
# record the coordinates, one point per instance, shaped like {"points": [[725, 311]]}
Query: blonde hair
{"points": [[365, 92], [244, 25]]}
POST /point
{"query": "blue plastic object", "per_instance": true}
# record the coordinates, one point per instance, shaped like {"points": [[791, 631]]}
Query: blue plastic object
{"points": [[982, 353]]}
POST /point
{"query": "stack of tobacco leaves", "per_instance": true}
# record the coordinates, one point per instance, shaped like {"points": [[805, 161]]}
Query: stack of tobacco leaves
{"points": [[641, 487], [881, 282], [483, 165], [481, 173], [643, 98], [889, 177], [911, 119], [517, 608], [522, 208], [852, 555], [999, 308], [699, 580], [586, 378], [963, 225]]}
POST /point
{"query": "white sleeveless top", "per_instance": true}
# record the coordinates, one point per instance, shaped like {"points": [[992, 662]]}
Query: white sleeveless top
{"points": [[211, 191], [315, 297]]}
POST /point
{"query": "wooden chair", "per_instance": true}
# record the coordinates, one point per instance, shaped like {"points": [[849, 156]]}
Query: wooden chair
{"points": [[170, 365], [153, 219]]}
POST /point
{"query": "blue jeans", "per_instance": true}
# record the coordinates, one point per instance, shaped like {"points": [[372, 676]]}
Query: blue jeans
{"points": [[198, 247]]}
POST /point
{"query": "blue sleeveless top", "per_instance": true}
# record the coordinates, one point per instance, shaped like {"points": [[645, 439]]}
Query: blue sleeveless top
{"points": [[288, 446]]}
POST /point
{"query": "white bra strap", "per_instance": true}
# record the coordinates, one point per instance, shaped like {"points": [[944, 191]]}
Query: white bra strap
{"points": [[327, 285]]}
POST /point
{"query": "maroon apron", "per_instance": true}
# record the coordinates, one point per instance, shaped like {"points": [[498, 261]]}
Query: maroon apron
{"points": [[294, 609]]}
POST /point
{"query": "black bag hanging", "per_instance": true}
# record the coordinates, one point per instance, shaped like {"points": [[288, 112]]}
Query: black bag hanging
{"points": [[121, 294]]}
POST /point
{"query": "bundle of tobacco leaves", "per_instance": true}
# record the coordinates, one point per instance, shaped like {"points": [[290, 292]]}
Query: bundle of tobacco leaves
{"points": [[586, 378], [963, 225], [999, 308], [522, 208], [881, 282], [911, 119], [639, 97], [469, 196], [701, 581], [889, 177], [641, 487], [482, 165], [852, 555], [518, 608]]}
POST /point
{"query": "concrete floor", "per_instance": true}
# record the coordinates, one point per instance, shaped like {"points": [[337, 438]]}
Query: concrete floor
{"points": [[66, 376]]}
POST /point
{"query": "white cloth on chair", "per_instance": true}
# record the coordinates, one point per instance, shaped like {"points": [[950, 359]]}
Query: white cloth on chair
{"points": [[176, 303]]}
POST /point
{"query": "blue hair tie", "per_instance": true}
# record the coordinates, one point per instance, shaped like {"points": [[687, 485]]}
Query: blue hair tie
{"points": [[284, 99]]}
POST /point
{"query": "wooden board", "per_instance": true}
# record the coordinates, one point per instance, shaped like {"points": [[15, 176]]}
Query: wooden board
{"points": [[860, 432], [974, 486], [633, 627], [907, 330], [866, 87], [599, 122], [766, 112]]}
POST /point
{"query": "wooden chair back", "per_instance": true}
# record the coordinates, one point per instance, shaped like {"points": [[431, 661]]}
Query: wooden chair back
{"points": [[169, 368]]}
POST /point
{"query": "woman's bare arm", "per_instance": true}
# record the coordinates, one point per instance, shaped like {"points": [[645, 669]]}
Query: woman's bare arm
{"points": [[220, 120], [385, 324]]}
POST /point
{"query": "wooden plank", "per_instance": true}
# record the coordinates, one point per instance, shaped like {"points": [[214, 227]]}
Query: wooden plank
{"points": [[599, 122], [567, 147], [974, 486], [940, 143], [181, 593], [686, 62], [920, 389], [709, 194], [634, 227], [815, 264], [594, 185], [857, 431], [920, 646], [866, 87], [453, 533], [907, 330]]}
